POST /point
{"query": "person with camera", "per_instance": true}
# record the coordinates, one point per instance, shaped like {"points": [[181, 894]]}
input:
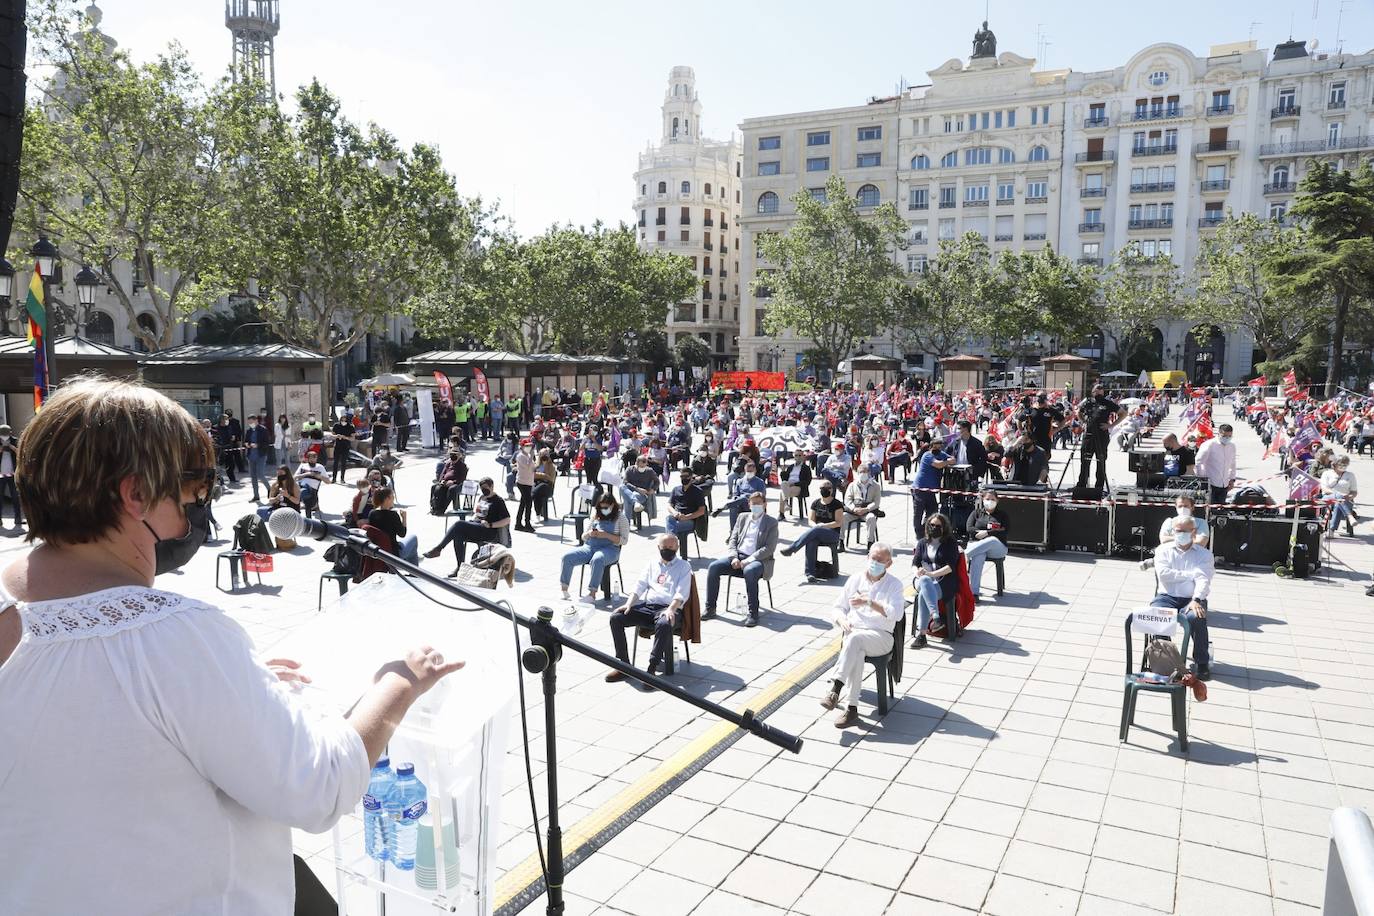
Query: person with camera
{"points": [[1097, 413]]}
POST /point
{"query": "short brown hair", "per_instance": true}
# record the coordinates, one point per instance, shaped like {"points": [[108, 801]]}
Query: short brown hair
{"points": [[89, 436]]}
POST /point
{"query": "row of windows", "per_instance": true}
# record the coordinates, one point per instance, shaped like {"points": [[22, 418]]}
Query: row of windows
{"points": [[684, 188], [919, 198], [980, 155], [867, 196], [821, 137], [993, 120]]}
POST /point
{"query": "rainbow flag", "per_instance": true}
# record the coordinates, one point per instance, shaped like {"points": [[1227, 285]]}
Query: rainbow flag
{"points": [[37, 331]]}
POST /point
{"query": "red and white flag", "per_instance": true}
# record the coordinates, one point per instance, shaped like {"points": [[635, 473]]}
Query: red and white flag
{"points": [[479, 381], [1290, 386], [445, 389]]}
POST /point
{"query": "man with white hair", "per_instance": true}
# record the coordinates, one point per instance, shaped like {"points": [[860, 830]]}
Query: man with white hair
{"points": [[654, 601], [1185, 569], [866, 613]]}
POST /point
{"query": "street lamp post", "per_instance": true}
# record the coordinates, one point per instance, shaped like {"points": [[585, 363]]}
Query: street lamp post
{"points": [[776, 353], [87, 282], [46, 257]]}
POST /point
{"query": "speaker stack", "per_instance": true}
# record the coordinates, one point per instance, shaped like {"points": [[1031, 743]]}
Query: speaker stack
{"points": [[1028, 519], [1081, 528]]}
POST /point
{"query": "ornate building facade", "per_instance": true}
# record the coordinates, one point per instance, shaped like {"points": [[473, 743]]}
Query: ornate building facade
{"points": [[687, 202], [1152, 154]]}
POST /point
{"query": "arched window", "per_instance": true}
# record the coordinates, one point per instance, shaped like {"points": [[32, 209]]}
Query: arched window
{"points": [[663, 187], [949, 160], [868, 196], [707, 189], [920, 161], [1039, 154], [686, 187], [148, 323], [643, 189], [100, 328], [1280, 176], [1005, 155], [720, 342], [768, 202], [675, 122], [204, 327]]}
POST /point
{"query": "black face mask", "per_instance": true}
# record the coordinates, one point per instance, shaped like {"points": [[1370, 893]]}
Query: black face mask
{"points": [[668, 554], [174, 553], [936, 531]]}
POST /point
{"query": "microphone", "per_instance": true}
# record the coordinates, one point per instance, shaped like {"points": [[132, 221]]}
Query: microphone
{"points": [[288, 525]]}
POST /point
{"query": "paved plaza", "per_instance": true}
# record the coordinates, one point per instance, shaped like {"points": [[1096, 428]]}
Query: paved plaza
{"points": [[994, 784]]}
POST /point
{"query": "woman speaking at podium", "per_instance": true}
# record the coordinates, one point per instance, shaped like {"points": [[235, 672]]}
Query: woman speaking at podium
{"points": [[149, 763]]}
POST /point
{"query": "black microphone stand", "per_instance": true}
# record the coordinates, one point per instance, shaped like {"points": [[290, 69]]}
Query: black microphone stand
{"points": [[542, 658]]}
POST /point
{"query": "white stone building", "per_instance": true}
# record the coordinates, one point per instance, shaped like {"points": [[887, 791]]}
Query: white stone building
{"points": [[1153, 153], [687, 202]]}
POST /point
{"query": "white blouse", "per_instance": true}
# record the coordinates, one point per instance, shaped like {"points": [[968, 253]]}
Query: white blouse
{"points": [[150, 764]]}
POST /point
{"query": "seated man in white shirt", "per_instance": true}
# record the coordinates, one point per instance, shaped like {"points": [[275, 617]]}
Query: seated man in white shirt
{"points": [[866, 613], [1185, 570], [655, 600], [862, 500], [309, 476], [1183, 506]]}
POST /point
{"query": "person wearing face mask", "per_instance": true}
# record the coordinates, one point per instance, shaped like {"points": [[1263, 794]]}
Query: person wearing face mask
{"points": [[929, 468], [749, 554], [257, 441], [601, 543], [686, 504], [157, 715], [1185, 569], [794, 480], [489, 516], [641, 488], [827, 519], [524, 482], [1030, 466], [1097, 413], [866, 613], [284, 493], [655, 600], [1183, 507], [310, 475], [861, 501], [987, 537], [386, 517], [936, 560], [343, 444], [1216, 461], [746, 485]]}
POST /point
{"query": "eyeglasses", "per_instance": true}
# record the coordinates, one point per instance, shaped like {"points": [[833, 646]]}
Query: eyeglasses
{"points": [[199, 475]]}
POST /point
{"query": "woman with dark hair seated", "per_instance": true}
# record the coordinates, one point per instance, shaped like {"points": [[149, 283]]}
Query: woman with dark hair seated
{"points": [[607, 533]]}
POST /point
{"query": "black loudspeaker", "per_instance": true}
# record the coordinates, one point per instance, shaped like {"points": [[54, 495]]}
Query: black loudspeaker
{"points": [[1028, 520], [1135, 529], [13, 45], [1247, 540], [1080, 529]]}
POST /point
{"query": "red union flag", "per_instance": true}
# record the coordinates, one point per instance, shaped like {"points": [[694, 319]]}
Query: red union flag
{"points": [[479, 380], [445, 389], [1290, 385], [257, 562]]}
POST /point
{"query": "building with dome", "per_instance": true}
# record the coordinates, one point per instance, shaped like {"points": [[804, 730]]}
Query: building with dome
{"points": [[687, 202]]}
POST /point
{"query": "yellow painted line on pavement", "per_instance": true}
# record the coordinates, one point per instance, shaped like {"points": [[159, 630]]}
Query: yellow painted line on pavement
{"points": [[524, 883]]}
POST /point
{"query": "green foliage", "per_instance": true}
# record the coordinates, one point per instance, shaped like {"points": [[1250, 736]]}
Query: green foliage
{"points": [[832, 275], [569, 290], [691, 351], [1034, 293], [1239, 284], [944, 307], [132, 162], [1336, 207], [1137, 292], [240, 325]]}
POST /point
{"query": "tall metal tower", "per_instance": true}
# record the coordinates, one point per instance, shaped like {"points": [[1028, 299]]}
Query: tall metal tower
{"points": [[254, 24]]}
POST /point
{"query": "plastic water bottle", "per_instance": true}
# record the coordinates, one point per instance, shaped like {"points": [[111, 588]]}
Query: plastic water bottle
{"points": [[572, 620], [404, 807], [376, 826]]}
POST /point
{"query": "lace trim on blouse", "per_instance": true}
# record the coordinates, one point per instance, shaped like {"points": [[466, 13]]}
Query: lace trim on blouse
{"points": [[99, 613]]}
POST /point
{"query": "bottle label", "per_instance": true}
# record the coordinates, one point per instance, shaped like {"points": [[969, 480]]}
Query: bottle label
{"points": [[371, 803], [414, 811]]}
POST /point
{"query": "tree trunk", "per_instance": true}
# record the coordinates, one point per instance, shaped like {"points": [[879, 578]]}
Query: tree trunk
{"points": [[1333, 365], [327, 388]]}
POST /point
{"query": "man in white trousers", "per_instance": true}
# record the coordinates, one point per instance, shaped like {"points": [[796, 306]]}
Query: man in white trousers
{"points": [[866, 613]]}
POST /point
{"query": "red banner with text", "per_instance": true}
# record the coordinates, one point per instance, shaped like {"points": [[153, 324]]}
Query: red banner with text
{"points": [[749, 381]]}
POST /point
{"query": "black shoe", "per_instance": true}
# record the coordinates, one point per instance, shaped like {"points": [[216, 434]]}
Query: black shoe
{"points": [[919, 642], [880, 513], [812, 580], [1204, 674], [752, 620], [787, 551], [1370, 591], [708, 614]]}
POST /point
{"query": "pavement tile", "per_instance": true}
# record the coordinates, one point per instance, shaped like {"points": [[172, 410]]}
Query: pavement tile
{"points": [[883, 866], [658, 892], [826, 814], [769, 881], [1131, 884], [1046, 864], [830, 894], [699, 860], [801, 845], [724, 903], [1207, 898], [1013, 896], [733, 828]]}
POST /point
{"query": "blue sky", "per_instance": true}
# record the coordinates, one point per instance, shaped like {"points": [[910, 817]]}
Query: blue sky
{"points": [[546, 104]]}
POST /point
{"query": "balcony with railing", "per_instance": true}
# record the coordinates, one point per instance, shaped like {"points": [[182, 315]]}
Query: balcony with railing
{"points": [[685, 221], [1217, 111], [1280, 187], [1217, 184], [661, 221], [1096, 226], [1293, 147], [1153, 187], [918, 205], [1335, 104], [1033, 237], [1100, 121], [1091, 262], [724, 225], [720, 296], [1037, 199], [978, 202], [1004, 237], [1284, 111], [946, 205], [1165, 222], [724, 273], [708, 223], [1095, 155], [1092, 192], [707, 271], [1217, 146], [1161, 112], [1005, 201], [1210, 220], [1155, 149]]}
